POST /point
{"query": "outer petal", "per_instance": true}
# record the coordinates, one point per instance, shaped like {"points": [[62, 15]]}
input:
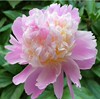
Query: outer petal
{"points": [[84, 46], [54, 7], [58, 86], [14, 56], [47, 76], [17, 28], [70, 87], [74, 12], [72, 71], [14, 41], [86, 64], [30, 87], [21, 77]]}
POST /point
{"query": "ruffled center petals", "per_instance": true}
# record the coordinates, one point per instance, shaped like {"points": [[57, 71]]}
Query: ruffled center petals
{"points": [[22, 76], [72, 71], [47, 76]]}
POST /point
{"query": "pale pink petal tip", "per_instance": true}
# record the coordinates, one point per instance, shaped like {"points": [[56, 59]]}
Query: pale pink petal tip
{"points": [[21, 77]]}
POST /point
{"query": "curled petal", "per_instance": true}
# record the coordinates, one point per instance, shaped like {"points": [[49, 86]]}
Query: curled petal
{"points": [[22, 76]]}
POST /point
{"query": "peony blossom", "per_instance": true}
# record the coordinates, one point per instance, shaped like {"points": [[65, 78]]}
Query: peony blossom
{"points": [[50, 44]]}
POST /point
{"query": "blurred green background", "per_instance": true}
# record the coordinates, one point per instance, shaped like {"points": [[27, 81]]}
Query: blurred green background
{"points": [[90, 20]]}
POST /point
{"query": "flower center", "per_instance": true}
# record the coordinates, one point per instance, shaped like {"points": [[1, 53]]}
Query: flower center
{"points": [[49, 44]]}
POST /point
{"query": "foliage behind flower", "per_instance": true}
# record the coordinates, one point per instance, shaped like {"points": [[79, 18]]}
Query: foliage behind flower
{"points": [[50, 43]]}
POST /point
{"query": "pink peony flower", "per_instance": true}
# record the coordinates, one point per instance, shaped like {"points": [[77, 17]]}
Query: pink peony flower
{"points": [[51, 44]]}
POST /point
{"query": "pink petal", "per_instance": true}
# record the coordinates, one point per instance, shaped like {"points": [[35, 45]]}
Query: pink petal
{"points": [[30, 87], [47, 76], [17, 28], [86, 64], [69, 9], [54, 7], [14, 41], [70, 87], [58, 86], [72, 71], [10, 47], [84, 47], [22, 76], [14, 56], [75, 14], [63, 10]]}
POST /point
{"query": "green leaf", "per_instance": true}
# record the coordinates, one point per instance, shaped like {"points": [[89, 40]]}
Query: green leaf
{"points": [[98, 5], [28, 97], [13, 4], [47, 95], [98, 15], [62, 2], [18, 92], [4, 36], [80, 93], [95, 27], [98, 48], [13, 69], [94, 87], [96, 70], [90, 6], [87, 74], [72, 2], [7, 92], [4, 28], [81, 11], [5, 79], [2, 60], [27, 7], [82, 26], [12, 14], [2, 21], [66, 94], [14, 92], [83, 93]]}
